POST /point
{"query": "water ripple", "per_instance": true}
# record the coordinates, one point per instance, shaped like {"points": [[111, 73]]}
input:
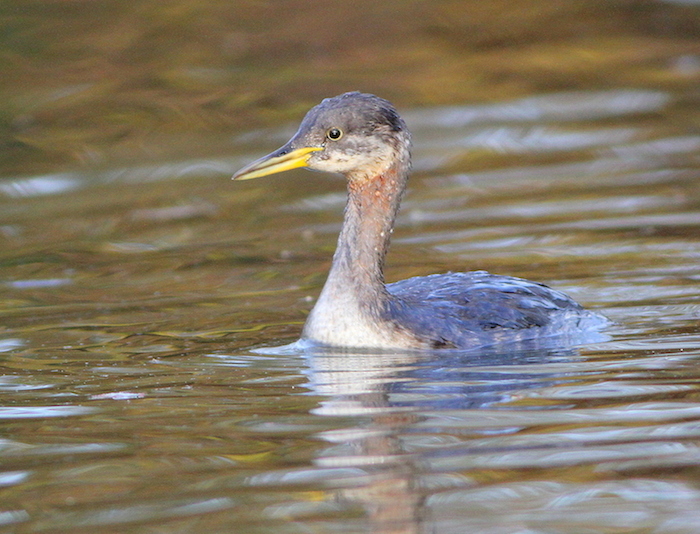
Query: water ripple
{"points": [[39, 412], [567, 106]]}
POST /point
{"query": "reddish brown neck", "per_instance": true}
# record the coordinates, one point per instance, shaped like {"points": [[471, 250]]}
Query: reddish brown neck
{"points": [[366, 233]]}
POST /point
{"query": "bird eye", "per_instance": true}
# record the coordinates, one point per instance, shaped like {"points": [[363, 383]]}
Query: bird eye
{"points": [[334, 134]]}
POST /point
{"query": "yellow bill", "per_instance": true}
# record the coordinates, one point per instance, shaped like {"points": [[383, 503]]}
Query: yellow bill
{"points": [[276, 162]]}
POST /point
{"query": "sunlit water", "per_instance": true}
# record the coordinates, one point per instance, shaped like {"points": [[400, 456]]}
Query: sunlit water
{"points": [[141, 308]]}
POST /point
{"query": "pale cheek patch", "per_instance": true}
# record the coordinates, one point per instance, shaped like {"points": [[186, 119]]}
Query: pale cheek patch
{"points": [[372, 159]]}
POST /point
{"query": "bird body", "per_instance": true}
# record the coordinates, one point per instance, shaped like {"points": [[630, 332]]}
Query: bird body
{"points": [[362, 137]]}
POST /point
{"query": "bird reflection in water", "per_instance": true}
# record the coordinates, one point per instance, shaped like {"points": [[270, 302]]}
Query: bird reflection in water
{"points": [[394, 400]]}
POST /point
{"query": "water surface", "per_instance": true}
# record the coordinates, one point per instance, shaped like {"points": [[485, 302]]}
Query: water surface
{"points": [[142, 302]]}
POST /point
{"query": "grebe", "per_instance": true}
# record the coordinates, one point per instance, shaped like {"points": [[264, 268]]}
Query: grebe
{"points": [[362, 137]]}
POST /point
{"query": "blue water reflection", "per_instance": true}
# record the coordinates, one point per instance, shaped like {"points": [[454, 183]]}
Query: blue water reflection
{"points": [[416, 433], [444, 380]]}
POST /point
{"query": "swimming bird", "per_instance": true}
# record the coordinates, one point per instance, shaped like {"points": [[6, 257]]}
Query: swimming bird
{"points": [[362, 137]]}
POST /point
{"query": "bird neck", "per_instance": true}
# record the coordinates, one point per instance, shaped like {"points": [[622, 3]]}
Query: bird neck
{"points": [[364, 239], [351, 308]]}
